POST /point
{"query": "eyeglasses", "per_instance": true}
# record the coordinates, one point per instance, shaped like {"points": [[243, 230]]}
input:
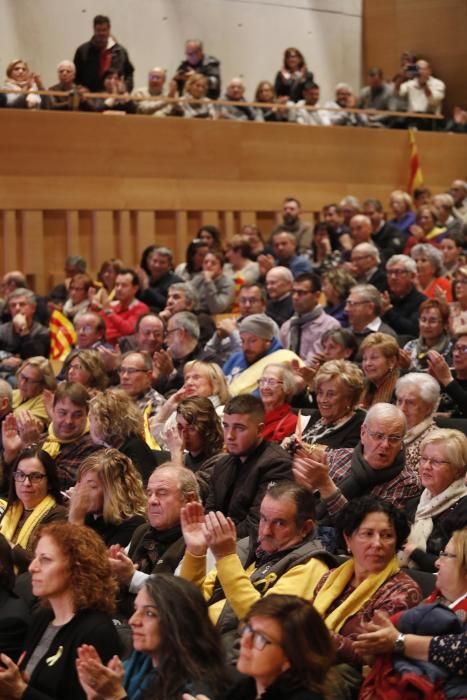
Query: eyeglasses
{"points": [[430, 321], [436, 463], [397, 273], [351, 304], [171, 330], [380, 437], [461, 349], [269, 381], [447, 555], [130, 370], [28, 380], [33, 477], [258, 639]]}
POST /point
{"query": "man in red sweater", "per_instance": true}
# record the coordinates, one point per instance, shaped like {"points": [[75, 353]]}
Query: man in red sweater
{"points": [[120, 316]]}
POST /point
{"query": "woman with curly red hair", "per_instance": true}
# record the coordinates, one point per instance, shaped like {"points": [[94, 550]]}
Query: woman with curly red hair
{"points": [[71, 575]]}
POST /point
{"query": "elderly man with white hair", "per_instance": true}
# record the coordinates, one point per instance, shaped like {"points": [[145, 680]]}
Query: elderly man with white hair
{"points": [[345, 98], [402, 302], [279, 283], [376, 466], [365, 262], [417, 396], [235, 92], [154, 89], [458, 192], [66, 72]]}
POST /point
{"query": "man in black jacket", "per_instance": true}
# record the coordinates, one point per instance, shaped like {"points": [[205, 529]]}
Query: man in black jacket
{"points": [[240, 478], [402, 302], [196, 61], [100, 54]]}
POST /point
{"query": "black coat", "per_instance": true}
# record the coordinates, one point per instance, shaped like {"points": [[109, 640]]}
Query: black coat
{"points": [[237, 488], [347, 435], [87, 62], [59, 680], [14, 623], [403, 317], [245, 689]]}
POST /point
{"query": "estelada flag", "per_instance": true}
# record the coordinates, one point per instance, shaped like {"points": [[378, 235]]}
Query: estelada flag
{"points": [[62, 335], [415, 170]]}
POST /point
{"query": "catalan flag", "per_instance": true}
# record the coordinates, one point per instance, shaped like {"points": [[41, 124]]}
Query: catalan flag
{"points": [[415, 170], [62, 335]]}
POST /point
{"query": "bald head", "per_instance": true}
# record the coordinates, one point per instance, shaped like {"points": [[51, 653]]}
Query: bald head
{"points": [[279, 282], [360, 228]]}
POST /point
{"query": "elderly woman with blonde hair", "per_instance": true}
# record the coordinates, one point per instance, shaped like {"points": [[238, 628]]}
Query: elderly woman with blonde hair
{"points": [[23, 85], [443, 504], [108, 497], [338, 386]]}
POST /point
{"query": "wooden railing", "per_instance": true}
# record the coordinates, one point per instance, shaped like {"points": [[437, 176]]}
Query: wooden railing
{"points": [[104, 186]]}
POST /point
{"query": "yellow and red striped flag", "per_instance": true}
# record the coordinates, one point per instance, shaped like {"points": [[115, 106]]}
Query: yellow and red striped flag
{"points": [[62, 335], [415, 170]]}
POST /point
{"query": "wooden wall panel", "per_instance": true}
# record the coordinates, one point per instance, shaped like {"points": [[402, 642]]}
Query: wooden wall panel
{"points": [[123, 184]]}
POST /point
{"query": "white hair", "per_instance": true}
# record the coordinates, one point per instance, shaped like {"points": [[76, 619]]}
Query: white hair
{"points": [[428, 388], [385, 411]]}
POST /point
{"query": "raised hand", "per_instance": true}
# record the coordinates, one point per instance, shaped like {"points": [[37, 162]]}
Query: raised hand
{"points": [[99, 682], [193, 528], [221, 534]]}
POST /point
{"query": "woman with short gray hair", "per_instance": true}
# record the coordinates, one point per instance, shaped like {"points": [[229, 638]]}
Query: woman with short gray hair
{"points": [[443, 504], [431, 282], [417, 396], [277, 385]]}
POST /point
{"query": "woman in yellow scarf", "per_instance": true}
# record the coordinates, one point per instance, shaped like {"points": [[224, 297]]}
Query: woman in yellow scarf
{"points": [[33, 376], [34, 499], [371, 580]]}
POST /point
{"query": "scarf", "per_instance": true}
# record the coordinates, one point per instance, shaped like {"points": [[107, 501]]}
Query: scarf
{"points": [[247, 381], [53, 444], [296, 326], [153, 545], [139, 674], [320, 429], [421, 348], [13, 515], [380, 394], [414, 433], [336, 583], [431, 506], [361, 477]]}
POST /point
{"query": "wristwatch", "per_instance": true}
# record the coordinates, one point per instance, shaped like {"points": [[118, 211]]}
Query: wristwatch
{"points": [[399, 644]]}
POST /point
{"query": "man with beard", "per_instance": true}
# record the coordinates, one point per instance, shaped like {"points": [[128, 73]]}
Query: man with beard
{"points": [[93, 58], [292, 223], [182, 340], [244, 368]]}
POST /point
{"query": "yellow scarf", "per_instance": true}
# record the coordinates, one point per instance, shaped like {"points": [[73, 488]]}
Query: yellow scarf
{"points": [[13, 515], [148, 437], [336, 583], [53, 444], [247, 381]]}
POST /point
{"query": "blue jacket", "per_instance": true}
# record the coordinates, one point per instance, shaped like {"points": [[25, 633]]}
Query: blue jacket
{"points": [[237, 362]]}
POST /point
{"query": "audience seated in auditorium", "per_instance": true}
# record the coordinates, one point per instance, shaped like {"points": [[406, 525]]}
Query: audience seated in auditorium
{"points": [[425, 229], [402, 301], [226, 338], [333, 217], [148, 336], [182, 342], [444, 205], [240, 266], [376, 466], [240, 477], [22, 337], [292, 222], [215, 289], [158, 545], [377, 95], [116, 421], [121, 315], [349, 596], [404, 217], [278, 111], [433, 321], [452, 248], [336, 284], [35, 380], [291, 556], [363, 307], [195, 104], [302, 333], [453, 381], [90, 331], [458, 308], [108, 497], [279, 282], [277, 386], [458, 192], [23, 84], [316, 117], [78, 300], [155, 88], [443, 504], [100, 54], [135, 372], [285, 247], [365, 266], [66, 74], [235, 92], [385, 236], [120, 100], [14, 614], [86, 367], [33, 500], [430, 279], [380, 358], [293, 75], [195, 254], [183, 297], [15, 279], [423, 92], [417, 396], [196, 61], [344, 98]]}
